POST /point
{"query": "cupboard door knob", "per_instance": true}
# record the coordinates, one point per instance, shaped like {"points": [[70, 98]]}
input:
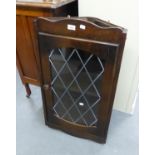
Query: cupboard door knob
{"points": [[47, 86]]}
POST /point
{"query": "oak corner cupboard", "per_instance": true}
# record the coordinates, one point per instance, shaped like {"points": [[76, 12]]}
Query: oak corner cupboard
{"points": [[79, 65], [26, 51]]}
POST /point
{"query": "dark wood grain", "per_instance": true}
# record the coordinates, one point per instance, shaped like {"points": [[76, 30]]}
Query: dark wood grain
{"points": [[100, 38]]}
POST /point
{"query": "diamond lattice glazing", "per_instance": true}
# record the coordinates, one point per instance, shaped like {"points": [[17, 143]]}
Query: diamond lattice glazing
{"points": [[76, 77]]}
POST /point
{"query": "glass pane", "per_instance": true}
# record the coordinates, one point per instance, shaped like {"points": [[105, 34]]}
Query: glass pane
{"points": [[76, 85]]}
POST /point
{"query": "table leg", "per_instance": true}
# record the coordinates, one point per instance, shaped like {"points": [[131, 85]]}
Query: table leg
{"points": [[28, 90]]}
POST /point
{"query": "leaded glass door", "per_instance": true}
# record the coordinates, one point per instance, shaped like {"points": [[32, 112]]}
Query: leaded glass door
{"points": [[76, 85], [78, 75]]}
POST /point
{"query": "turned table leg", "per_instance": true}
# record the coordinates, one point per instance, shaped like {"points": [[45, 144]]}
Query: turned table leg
{"points": [[28, 90]]}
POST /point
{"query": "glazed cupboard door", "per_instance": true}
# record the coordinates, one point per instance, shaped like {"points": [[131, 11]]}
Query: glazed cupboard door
{"points": [[77, 82]]}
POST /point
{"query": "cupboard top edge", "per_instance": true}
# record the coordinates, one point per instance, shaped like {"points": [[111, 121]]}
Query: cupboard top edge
{"points": [[43, 3]]}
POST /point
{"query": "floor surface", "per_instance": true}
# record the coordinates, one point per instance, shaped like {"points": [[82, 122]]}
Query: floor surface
{"points": [[35, 138]]}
